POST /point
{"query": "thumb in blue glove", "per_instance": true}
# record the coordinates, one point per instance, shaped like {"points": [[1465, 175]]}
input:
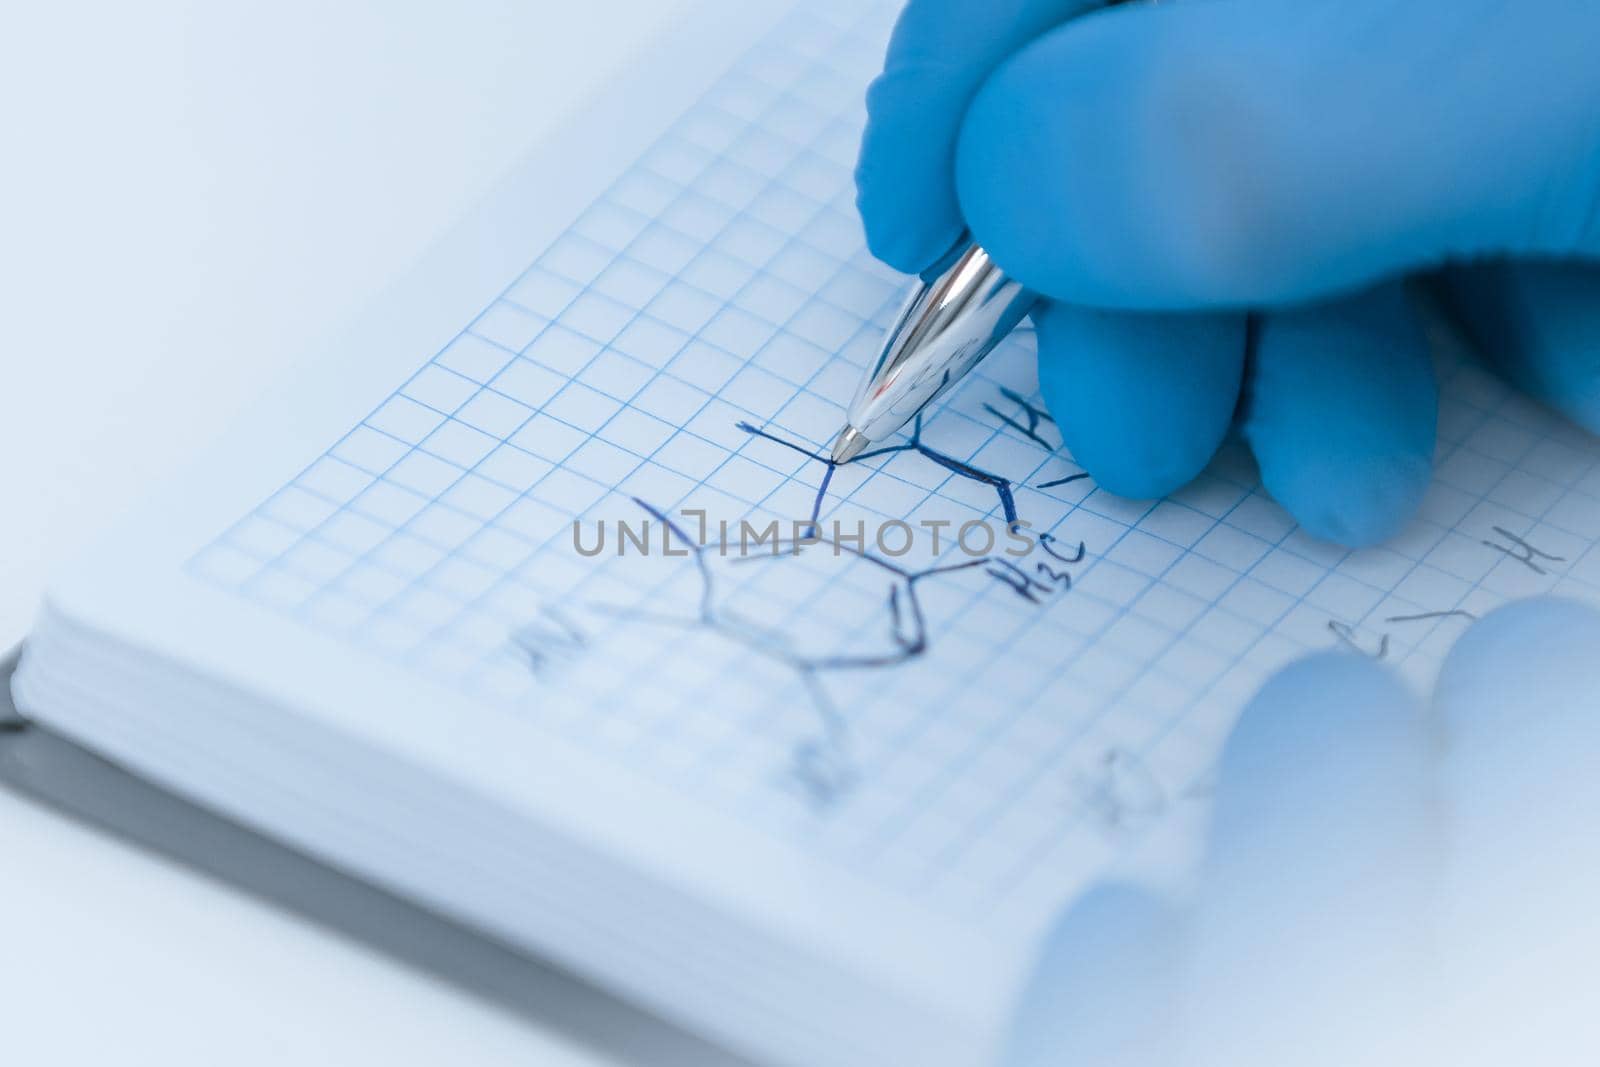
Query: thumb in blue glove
{"points": [[1159, 170]]}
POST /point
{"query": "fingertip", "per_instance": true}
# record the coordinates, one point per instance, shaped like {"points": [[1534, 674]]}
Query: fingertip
{"points": [[1329, 743], [1341, 413], [1519, 701], [1321, 685], [1540, 652], [1142, 401], [1350, 503], [1102, 988], [1319, 867], [1331, 698]]}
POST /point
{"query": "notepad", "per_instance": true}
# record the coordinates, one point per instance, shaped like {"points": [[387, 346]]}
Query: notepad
{"points": [[812, 796]]}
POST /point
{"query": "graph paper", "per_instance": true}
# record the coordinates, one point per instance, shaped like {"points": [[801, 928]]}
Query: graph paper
{"points": [[688, 346]]}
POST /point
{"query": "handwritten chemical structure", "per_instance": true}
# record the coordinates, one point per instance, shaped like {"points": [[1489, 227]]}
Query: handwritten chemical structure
{"points": [[822, 765]]}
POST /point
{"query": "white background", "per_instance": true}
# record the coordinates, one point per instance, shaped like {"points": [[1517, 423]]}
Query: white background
{"points": [[188, 193]]}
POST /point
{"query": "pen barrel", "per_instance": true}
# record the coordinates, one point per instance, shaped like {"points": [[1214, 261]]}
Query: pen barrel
{"points": [[950, 322]]}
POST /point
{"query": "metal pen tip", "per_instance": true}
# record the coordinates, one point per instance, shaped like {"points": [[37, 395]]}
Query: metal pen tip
{"points": [[851, 443]]}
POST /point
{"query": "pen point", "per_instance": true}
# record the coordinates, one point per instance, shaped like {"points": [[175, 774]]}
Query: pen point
{"points": [[851, 443]]}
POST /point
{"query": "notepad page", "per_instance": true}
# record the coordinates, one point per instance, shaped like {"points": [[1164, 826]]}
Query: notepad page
{"points": [[973, 730]]}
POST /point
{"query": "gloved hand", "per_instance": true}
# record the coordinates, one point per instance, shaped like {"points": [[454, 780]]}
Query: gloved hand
{"points": [[1174, 164], [1383, 886]]}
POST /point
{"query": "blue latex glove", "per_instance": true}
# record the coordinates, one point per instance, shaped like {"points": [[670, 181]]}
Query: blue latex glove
{"points": [[1384, 885], [1172, 164]]}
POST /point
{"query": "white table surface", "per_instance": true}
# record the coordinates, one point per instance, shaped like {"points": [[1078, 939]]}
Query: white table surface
{"points": [[189, 190]]}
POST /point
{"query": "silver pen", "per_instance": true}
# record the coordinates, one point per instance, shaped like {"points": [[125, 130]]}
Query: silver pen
{"points": [[963, 307]]}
